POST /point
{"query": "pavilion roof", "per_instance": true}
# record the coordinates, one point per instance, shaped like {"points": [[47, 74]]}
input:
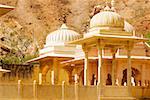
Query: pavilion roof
{"points": [[79, 60], [41, 57], [108, 39]]}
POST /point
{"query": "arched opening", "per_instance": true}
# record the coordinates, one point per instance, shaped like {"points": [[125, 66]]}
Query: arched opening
{"points": [[135, 75], [109, 79]]}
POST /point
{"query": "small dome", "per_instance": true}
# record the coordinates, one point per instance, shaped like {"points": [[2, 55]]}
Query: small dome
{"points": [[107, 18], [62, 35]]}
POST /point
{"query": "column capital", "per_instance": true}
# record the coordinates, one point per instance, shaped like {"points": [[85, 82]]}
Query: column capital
{"points": [[53, 61], [85, 48], [100, 43], [129, 46], [114, 50]]}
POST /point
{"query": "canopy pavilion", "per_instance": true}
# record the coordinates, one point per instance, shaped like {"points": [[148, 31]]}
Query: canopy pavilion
{"points": [[111, 53], [111, 48], [114, 38], [54, 52]]}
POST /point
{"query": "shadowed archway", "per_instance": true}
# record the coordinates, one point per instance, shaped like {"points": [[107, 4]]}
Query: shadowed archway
{"points": [[135, 75]]}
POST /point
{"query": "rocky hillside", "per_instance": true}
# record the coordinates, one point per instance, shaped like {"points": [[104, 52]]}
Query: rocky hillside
{"points": [[36, 18]]}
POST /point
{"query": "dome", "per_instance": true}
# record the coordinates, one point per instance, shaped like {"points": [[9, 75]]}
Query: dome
{"points": [[109, 22], [62, 35], [107, 18]]}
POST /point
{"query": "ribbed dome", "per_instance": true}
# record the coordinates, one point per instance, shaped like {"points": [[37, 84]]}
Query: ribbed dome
{"points": [[107, 18], [108, 22], [62, 35]]}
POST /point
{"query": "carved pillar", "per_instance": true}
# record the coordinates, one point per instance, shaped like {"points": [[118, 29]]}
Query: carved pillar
{"points": [[86, 63], [40, 78], [54, 72], [113, 74], [143, 74], [129, 69], [100, 48]]}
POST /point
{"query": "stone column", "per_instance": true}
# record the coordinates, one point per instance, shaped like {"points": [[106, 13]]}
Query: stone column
{"points": [[113, 74], [40, 79], [129, 69], [143, 74], [86, 63], [54, 72], [52, 77], [100, 48]]}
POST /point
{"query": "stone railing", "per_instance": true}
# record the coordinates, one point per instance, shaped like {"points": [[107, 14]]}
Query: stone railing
{"points": [[35, 91]]}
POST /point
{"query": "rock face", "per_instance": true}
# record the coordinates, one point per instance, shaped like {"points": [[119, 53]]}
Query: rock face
{"points": [[37, 18]]}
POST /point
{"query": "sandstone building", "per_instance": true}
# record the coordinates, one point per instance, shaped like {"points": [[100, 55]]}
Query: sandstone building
{"points": [[109, 53]]}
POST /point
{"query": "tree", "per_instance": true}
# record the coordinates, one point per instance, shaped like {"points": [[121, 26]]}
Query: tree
{"points": [[148, 36]]}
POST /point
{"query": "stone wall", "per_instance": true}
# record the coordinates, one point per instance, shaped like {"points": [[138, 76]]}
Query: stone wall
{"points": [[18, 72], [74, 92]]}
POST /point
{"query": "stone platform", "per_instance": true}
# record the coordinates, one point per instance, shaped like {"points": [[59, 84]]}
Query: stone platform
{"points": [[74, 92]]}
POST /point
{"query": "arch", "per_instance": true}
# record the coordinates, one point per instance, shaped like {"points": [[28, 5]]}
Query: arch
{"points": [[135, 74]]}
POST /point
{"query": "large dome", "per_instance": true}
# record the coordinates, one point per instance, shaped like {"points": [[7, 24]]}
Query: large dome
{"points": [[109, 22], [62, 35], [107, 18]]}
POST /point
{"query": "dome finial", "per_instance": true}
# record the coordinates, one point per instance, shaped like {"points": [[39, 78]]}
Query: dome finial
{"points": [[64, 26], [113, 5], [107, 8]]}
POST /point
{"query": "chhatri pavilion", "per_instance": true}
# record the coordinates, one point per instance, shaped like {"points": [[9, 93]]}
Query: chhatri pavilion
{"points": [[110, 53]]}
